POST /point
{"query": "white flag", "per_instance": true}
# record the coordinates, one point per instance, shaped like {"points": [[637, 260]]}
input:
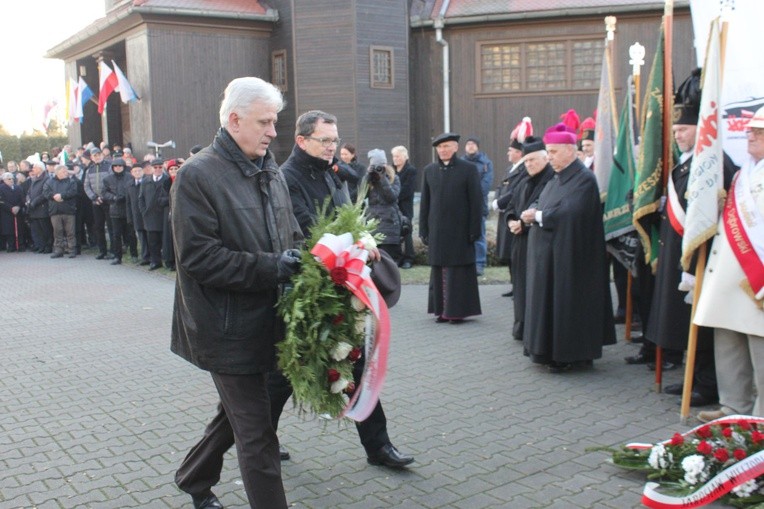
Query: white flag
{"points": [[705, 188], [604, 132]]}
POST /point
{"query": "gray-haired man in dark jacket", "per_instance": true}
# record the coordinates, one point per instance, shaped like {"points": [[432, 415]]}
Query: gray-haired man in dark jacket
{"points": [[235, 237]]}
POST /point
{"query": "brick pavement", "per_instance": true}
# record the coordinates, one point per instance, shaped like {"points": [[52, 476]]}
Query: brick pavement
{"points": [[97, 413]]}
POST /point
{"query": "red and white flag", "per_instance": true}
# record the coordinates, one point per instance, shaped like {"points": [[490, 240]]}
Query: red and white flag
{"points": [[108, 82], [705, 189]]}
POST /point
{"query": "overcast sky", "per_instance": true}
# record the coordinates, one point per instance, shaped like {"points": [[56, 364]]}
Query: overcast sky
{"points": [[30, 29]]}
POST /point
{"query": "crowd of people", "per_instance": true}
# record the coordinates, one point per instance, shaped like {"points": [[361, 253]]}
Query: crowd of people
{"points": [[96, 198]]}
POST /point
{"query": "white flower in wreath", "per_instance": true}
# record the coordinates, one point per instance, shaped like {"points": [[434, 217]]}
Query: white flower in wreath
{"points": [[694, 469], [659, 457], [339, 386], [746, 489], [357, 303], [341, 351], [368, 241]]}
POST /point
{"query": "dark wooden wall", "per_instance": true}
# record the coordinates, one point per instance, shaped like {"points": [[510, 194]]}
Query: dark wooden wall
{"points": [[331, 68], [188, 71], [492, 118]]}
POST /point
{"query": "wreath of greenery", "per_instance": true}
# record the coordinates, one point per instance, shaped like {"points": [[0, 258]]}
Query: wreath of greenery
{"points": [[325, 328]]}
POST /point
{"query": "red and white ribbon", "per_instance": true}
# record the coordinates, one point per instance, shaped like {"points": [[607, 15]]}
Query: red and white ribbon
{"points": [[674, 210], [744, 226], [735, 475], [338, 252]]}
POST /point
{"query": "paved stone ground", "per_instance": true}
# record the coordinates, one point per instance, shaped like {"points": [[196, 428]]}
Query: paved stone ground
{"points": [[95, 412]]}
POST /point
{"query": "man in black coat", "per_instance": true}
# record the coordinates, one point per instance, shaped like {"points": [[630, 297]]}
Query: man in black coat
{"points": [[134, 216], [568, 313], [153, 202], [407, 174], [450, 215], [115, 194], [525, 194], [669, 319], [236, 238], [37, 209], [516, 173], [312, 184], [61, 192]]}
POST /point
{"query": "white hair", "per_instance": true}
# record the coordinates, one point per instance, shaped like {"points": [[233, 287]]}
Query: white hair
{"points": [[400, 149], [38, 164], [242, 92], [7, 175]]}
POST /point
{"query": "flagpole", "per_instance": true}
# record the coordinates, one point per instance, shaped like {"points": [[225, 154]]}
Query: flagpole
{"points": [[637, 60], [668, 100], [700, 269]]}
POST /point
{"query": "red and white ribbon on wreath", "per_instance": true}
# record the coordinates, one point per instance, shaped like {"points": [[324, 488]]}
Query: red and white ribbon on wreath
{"points": [[346, 263], [735, 475]]}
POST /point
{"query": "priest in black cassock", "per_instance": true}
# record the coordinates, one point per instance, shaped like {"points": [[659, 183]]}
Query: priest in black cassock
{"points": [[537, 172], [568, 313], [450, 215]]}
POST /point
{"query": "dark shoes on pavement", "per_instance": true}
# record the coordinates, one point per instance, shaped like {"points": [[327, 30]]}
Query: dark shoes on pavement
{"points": [[209, 501], [283, 453], [388, 456], [57, 255], [675, 389], [144, 262], [154, 266], [697, 398], [640, 358]]}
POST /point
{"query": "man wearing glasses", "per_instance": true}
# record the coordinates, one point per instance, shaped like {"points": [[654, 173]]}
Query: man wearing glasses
{"points": [[311, 179]]}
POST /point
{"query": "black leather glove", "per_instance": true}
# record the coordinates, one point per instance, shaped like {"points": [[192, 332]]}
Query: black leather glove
{"points": [[424, 240], [288, 264]]}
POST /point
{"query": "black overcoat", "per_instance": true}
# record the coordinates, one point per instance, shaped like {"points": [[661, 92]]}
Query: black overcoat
{"points": [[9, 198], [568, 314], [524, 195], [134, 215], [669, 322], [152, 202], [504, 239], [37, 207], [451, 212]]}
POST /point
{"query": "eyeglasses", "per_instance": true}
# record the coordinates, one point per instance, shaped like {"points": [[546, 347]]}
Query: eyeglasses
{"points": [[326, 142]]}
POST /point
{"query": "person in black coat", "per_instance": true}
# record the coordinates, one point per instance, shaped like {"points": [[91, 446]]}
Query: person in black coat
{"points": [[525, 194], [61, 192], [152, 202], [408, 177], [11, 213], [37, 209], [450, 218], [349, 170], [504, 239], [568, 312], [115, 194], [134, 216], [312, 184], [383, 186], [168, 250]]}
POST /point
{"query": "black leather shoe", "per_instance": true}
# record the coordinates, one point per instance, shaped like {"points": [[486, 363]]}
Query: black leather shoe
{"points": [[667, 365], [457, 321], [154, 266], [57, 255], [558, 367], [73, 255], [283, 453], [116, 261], [207, 502], [675, 389], [640, 358], [101, 256], [440, 319], [144, 262], [508, 294], [389, 456], [700, 399]]}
